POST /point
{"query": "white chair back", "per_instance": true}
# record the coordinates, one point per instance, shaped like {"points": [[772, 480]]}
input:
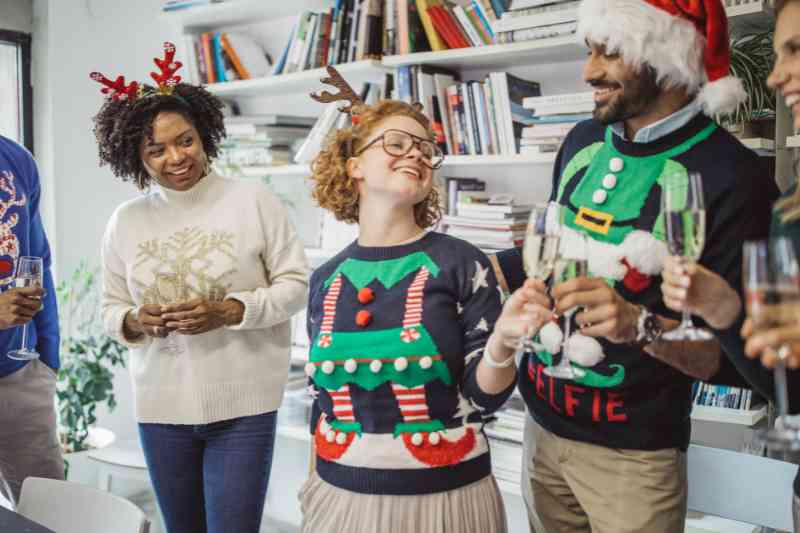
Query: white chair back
{"points": [[740, 486], [74, 508]]}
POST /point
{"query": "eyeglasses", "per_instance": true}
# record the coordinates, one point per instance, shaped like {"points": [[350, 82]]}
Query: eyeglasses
{"points": [[398, 143]]}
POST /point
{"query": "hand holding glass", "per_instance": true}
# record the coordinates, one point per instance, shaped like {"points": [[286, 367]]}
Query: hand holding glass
{"points": [[772, 297], [541, 247], [29, 274], [684, 215]]}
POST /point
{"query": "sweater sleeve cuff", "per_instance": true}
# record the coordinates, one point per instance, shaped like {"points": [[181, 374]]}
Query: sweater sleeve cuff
{"points": [[487, 403], [251, 310], [118, 327]]}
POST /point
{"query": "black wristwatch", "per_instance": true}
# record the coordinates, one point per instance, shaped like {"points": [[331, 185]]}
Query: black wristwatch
{"points": [[648, 327]]}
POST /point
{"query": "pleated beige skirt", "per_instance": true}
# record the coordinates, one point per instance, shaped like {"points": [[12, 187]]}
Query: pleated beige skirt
{"points": [[476, 508]]}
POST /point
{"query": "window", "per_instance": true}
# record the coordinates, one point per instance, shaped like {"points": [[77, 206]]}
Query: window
{"points": [[16, 94]]}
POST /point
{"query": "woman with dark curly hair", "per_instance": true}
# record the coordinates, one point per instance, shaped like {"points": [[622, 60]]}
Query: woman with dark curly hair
{"points": [[402, 362], [200, 277]]}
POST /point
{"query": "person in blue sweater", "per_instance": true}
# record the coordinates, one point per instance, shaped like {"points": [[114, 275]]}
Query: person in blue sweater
{"points": [[28, 439], [403, 363]]}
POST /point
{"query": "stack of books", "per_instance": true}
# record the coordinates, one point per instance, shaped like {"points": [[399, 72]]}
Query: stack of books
{"points": [[506, 433], [217, 57], [528, 20], [554, 117], [492, 223], [470, 118], [256, 141]]}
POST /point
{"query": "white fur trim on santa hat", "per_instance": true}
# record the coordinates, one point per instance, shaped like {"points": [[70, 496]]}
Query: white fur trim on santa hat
{"points": [[584, 350], [722, 96], [642, 33], [644, 252]]}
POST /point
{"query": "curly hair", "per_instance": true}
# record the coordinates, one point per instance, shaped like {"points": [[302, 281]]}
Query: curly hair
{"points": [[120, 127], [337, 192]]}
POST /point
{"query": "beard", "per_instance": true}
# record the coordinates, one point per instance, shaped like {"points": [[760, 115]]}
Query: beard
{"points": [[638, 94]]}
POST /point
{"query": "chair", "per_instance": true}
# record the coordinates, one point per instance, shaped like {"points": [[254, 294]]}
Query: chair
{"points": [[74, 508], [740, 486]]}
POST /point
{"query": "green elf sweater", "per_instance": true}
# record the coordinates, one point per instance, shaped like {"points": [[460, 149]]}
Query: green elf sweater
{"points": [[612, 191], [397, 334]]}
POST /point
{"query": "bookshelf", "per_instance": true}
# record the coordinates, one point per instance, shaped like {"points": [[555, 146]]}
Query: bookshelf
{"points": [[498, 56], [299, 82], [205, 18], [731, 416]]}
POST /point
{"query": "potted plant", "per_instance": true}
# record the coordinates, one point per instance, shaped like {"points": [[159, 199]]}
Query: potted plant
{"points": [[751, 61], [88, 358]]}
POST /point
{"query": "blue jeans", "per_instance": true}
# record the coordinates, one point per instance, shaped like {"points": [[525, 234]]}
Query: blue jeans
{"points": [[211, 478]]}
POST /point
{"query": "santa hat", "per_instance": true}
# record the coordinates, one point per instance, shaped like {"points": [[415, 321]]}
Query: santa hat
{"points": [[685, 42]]}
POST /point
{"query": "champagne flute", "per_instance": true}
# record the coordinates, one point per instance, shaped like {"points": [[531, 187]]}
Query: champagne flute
{"points": [[772, 299], [170, 291], [684, 214], [29, 274], [541, 247], [572, 263]]}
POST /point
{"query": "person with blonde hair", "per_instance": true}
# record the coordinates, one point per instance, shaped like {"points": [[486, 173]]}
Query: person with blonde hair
{"points": [[709, 296], [403, 364]]}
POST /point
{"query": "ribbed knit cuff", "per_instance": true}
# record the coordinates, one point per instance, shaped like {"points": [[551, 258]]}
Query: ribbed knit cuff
{"points": [[118, 326], [251, 310]]}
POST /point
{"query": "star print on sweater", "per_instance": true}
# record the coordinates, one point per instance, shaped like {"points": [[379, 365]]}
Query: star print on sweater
{"points": [[399, 409]]}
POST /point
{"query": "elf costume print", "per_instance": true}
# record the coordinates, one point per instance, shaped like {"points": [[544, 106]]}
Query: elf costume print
{"points": [[611, 191], [397, 333]]}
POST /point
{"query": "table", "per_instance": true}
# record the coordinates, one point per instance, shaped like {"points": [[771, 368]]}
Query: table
{"points": [[11, 522]]}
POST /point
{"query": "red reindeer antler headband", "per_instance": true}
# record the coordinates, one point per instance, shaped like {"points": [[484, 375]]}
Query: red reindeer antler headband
{"points": [[166, 80]]}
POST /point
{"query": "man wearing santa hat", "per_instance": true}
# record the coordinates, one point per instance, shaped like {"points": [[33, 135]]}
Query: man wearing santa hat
{"points": [[610, 444]]}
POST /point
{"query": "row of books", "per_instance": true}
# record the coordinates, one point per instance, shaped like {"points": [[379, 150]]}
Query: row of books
{"points": [[351, 30], [470, 118], [722, 396], [216, 57], [554, 116], [536, 19]]}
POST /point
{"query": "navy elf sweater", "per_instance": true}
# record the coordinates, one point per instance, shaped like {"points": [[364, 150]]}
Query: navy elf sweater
{"points": [[397, 334], [612, 189]]}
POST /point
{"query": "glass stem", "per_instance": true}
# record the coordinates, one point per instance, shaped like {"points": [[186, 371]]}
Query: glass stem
{"points": [[686, 320], [781, 390], [25, 337], [567, 326]]}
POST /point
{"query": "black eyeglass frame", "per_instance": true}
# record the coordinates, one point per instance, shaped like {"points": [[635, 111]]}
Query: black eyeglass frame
{"points": [[417, 141]]}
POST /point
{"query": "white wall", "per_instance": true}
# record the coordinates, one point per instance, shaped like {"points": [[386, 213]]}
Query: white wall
{"points": [[71, 39], [16, 15]]}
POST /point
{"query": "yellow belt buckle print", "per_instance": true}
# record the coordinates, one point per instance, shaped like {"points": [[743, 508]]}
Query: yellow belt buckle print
{"points": [[592, 220]]}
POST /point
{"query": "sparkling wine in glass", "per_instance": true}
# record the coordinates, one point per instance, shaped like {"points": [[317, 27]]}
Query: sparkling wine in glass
{"points": [[573, 262], [542, 244], [684, 214], [29, 274], [772, 299]]}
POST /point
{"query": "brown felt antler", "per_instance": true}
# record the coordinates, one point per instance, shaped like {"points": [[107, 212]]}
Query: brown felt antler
{"points": [[345, 91]]}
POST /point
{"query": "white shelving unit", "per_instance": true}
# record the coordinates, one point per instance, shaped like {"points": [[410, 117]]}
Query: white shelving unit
{"points": [[731, 416], [204, 18], [297, 82], [497, 56]]}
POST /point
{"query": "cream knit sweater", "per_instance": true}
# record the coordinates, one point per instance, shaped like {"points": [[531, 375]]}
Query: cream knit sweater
{"points": [[224, 238]]}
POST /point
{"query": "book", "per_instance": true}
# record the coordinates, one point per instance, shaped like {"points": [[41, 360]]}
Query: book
{"points": [[480, 210], [230, 51], [454, 185], [434, 39]]}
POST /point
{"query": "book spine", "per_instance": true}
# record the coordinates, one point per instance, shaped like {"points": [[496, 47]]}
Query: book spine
{"points": [[430, 32]]}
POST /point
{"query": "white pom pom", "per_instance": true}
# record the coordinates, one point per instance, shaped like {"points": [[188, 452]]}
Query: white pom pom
{"points": [[401, 364], [310, 369], [586, 351], [330, 436], [722, 96], [350, 366], [426, 362], [644, 252], [551, 337], [416, 439], [328, 367], [341, 438], [434, 438], [375, 366]]}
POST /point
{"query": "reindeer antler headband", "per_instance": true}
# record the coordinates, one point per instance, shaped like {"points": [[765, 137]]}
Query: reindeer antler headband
{"points": [[346, 93], [166, 80]]}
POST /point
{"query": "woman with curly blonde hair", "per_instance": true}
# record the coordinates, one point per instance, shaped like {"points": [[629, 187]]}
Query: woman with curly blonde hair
{"points": [[402, 363]]}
